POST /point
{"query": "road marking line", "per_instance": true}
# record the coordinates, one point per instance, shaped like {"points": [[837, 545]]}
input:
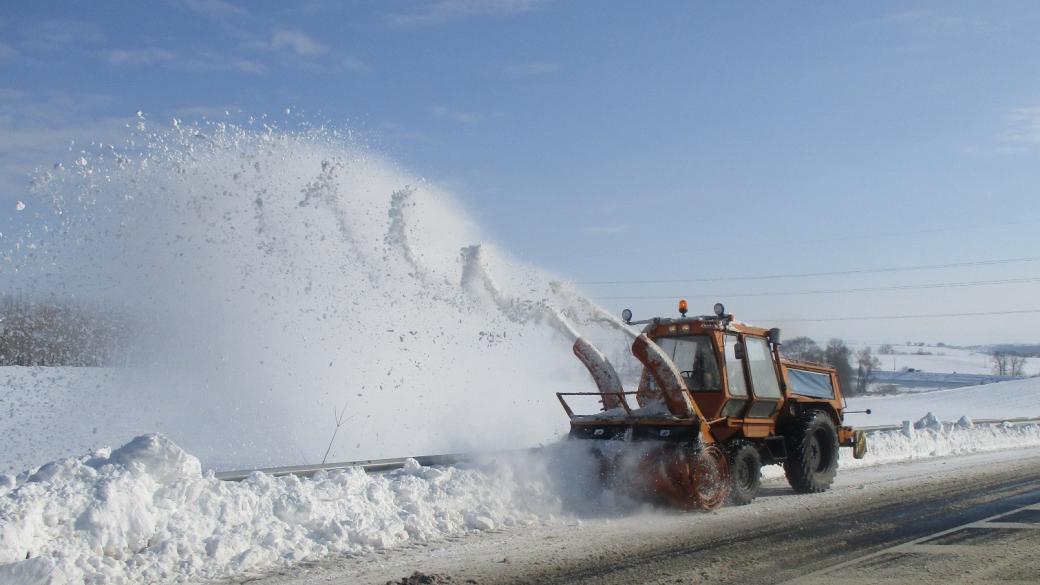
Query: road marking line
{"points": [[917, 546]]}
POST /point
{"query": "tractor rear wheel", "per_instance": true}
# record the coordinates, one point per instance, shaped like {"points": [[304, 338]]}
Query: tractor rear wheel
{"points": [[812, 454], [745, 467]]}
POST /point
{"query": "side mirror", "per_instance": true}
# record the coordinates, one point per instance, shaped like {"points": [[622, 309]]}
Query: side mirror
{"points": [[774, 336], [738, 351]]}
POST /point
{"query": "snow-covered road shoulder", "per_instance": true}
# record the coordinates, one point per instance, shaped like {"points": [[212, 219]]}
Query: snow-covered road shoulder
{"points": [[147, 513]]}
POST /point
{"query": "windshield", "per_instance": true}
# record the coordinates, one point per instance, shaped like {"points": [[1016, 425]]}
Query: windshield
{"points": [[694, 355]]}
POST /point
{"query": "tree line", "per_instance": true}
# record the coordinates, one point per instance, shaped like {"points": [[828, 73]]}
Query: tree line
{"points": [[855, 370]]}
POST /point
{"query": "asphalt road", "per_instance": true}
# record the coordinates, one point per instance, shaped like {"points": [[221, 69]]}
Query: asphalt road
{"points": [[934, 521]]}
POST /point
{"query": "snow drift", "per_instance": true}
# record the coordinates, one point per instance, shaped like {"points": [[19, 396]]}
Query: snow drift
{"points": [[145, 513]]}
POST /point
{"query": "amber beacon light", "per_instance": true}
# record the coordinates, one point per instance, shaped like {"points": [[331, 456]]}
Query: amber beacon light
{"points": [[682, 307]]}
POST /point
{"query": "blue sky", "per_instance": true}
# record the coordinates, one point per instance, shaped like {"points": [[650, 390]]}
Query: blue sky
{"points": [[618, 141]]}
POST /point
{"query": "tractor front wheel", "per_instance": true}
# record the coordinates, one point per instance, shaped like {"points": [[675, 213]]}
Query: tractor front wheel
{"points": [[745, 466]]}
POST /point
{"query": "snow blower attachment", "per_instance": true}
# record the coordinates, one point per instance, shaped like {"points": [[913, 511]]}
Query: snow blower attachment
{"points": [[715, 403]]}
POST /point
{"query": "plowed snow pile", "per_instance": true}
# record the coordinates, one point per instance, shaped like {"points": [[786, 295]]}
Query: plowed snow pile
{"points": [[145, 513]]}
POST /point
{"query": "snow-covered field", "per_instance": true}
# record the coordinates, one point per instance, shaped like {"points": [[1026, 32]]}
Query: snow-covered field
{"points": [[146, 512], [1016, 398], [940, 359]]}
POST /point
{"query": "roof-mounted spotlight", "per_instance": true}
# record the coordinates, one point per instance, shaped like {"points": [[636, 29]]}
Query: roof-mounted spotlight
{"points": [[626, 315], [720, 309]]}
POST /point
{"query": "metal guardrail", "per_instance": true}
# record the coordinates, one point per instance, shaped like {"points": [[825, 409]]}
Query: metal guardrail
{"points": [[384, 465], [369, 465]]}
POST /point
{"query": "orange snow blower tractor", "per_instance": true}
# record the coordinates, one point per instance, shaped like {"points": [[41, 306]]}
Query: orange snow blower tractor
{"points": [[715, 403]]}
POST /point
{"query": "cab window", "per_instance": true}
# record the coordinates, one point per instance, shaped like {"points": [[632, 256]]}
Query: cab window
{"points": [[695, 357], [763, 370], [734, 368]]}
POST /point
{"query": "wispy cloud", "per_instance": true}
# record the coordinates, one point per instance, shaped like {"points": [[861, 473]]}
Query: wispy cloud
{"points": [[298, 42], [59, 34], [212, 8], [198, 60], [38, 129], [1023, 126], [531, 69], [1020, 135], [143, 56], [439, 11], [7, 52], [454, 115], [933, 21], [354, 64], [606, 229]]}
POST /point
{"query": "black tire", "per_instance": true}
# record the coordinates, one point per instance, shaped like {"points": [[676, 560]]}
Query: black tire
{"points": [[812, 453], [745, 467]]}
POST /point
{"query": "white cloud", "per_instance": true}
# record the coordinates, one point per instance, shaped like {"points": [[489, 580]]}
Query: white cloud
{"points": [[454, 115], [531, 69], [297, 42], [439, 11]]}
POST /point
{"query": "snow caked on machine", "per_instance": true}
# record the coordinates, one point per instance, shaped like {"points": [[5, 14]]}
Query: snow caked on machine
{"points": [[715, 402]]}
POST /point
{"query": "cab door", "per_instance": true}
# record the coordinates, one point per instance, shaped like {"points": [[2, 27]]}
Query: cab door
{"points": [[765, 379], [737, 400]]}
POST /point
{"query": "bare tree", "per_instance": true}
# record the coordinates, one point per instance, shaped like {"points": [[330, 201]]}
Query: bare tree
{"points": [[1016, 365], [837, 356], [866, 365], [1000, 361], [802, 349]]}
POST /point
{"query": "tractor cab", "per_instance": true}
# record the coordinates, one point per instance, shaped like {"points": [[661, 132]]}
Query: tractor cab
{"points": [[731, 370]]}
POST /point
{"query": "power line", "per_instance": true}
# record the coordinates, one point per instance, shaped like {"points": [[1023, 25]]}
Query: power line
{"points": [[815, 274], [848, 237], [830, 291], [891, 317]]}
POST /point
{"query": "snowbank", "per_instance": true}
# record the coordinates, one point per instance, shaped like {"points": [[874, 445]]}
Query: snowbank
{"points": [[145, 513], [927, 439]]}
